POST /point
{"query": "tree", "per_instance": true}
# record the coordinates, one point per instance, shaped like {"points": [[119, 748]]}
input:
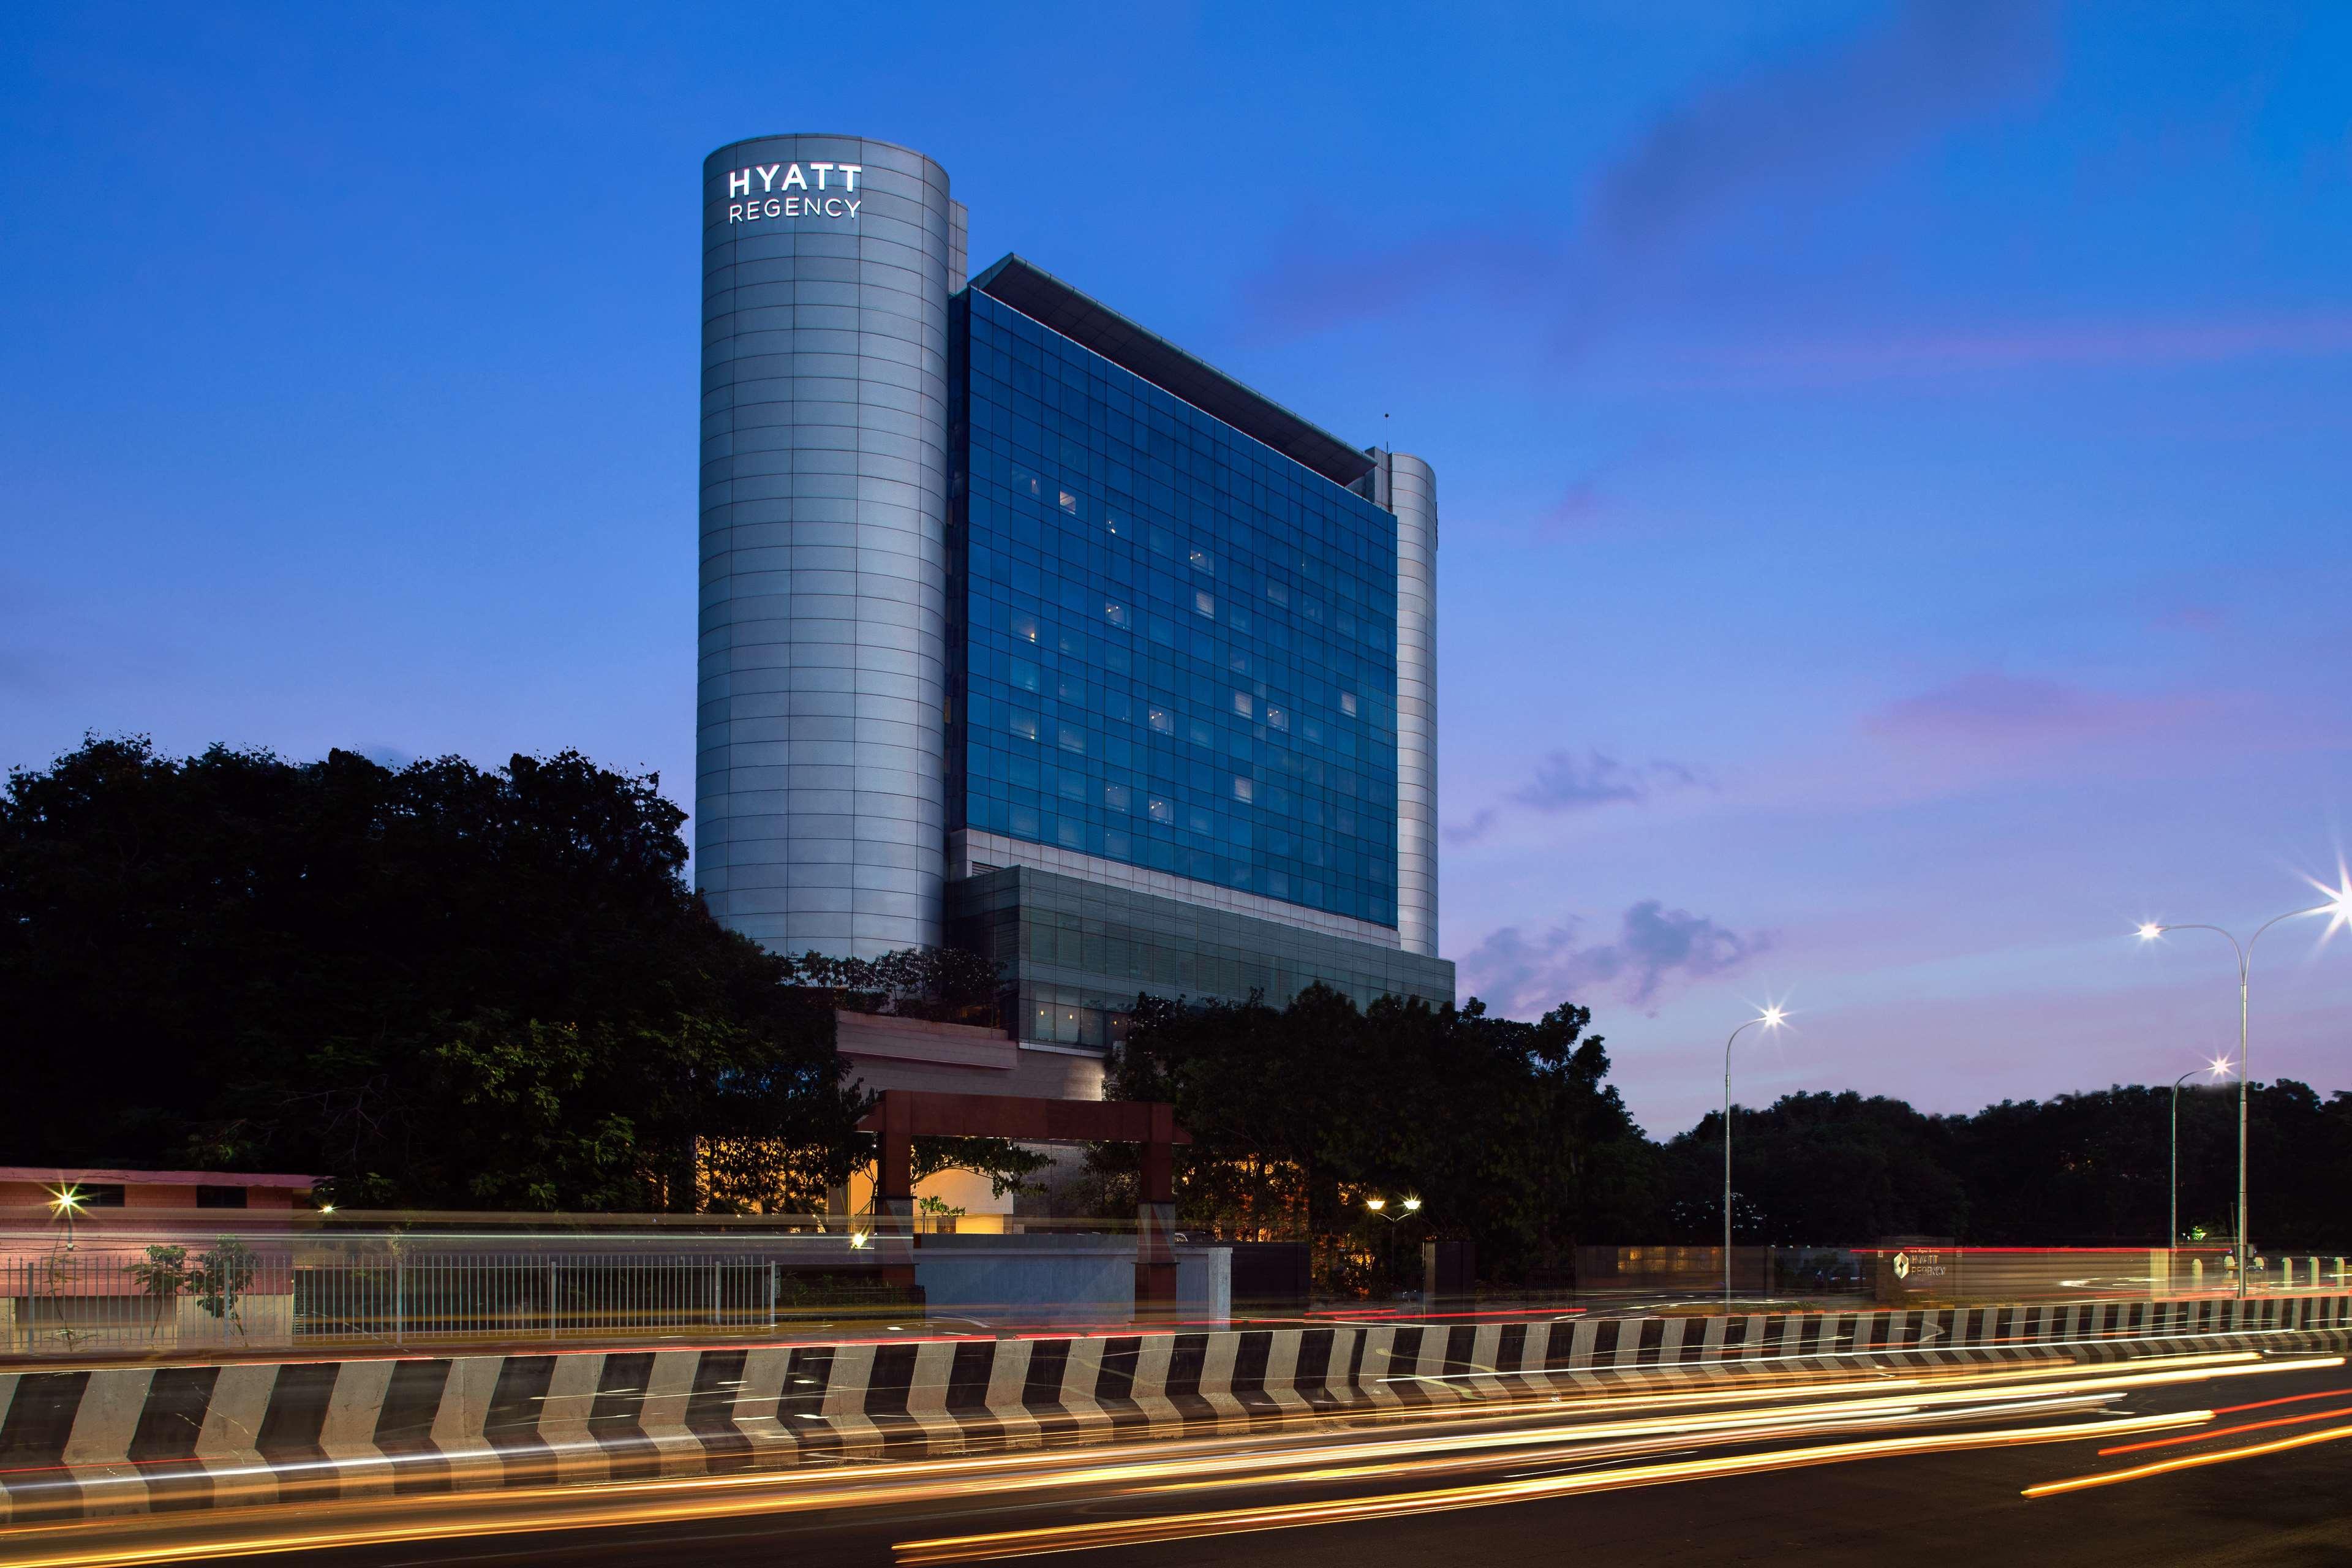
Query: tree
{"points": [[1506, 1130], [439, 985]]}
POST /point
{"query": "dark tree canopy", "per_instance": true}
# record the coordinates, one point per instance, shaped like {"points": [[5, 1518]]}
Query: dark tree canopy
{"points": [[2079, 1170], [1506, 1130], [442, 986]]}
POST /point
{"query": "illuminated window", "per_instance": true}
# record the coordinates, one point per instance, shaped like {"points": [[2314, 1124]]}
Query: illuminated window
{"points": [[1277, 718], [1072, 737], [1347, 703], [1069, 502], [1203, 561], [1114, 612], [1118, 797], [1024, 628], [1161, 720], [1243, 706], [1243, 789], [1204, 604], [1024, 674], [1159, 810], [1024, 724]]}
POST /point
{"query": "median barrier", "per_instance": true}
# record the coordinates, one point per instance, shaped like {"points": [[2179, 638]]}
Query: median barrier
{"points": [[93, 1441]]}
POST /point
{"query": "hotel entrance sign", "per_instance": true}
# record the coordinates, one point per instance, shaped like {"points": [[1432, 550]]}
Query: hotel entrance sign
{"points": [[784, 190]]}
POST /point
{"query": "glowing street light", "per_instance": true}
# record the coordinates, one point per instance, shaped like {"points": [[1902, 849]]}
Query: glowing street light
{"points": [[1380, 1206], [2338, 910], [2218, 1068], [65, 1202], [1771, 1018]]}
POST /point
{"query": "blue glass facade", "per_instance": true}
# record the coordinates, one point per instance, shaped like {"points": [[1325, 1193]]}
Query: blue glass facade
{"points": [[1171, 645]]}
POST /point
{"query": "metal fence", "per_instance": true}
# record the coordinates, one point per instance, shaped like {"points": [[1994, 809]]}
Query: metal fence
{"points": [[275, 1292]]}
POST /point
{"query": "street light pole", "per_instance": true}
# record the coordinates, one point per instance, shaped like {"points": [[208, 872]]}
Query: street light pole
{"points": [[1770, 1018], [2339, 907], [2172, 1237]]}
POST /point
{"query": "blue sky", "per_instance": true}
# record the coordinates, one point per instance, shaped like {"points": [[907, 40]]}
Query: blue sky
{"points": [[1893, 458]]}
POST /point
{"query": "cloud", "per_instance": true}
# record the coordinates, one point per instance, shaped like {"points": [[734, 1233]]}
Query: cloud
{"points": [[1788, 128], [1820, 360], [1655, 947], [1856, 107], [1322, 284], [1563, 782], [1470, 832], [1990, 711]]}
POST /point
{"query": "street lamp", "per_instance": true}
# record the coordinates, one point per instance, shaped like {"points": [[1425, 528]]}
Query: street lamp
{"points": [[1770, 1018], [66, 1202], [1380, 1206], [2218, 1068], [2338, 910]]}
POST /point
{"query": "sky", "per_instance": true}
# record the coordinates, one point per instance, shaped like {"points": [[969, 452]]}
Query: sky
{"points": [[1895, 459]]}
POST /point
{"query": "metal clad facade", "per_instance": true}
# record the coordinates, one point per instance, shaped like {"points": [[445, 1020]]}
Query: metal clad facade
{"points": [[820, 795]]}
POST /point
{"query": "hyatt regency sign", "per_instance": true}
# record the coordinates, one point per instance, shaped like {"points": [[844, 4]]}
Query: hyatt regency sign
{"points": [[783, 190]]}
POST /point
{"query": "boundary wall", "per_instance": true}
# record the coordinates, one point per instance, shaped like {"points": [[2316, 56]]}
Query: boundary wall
{"points": [[127, 1440]]}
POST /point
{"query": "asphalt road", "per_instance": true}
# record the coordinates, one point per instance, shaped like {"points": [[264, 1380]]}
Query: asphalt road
{"points": [[2286, 1508]]}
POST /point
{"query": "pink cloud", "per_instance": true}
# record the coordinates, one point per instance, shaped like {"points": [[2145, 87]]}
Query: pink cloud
{"points": [[1995, 712], [2060, 344]]}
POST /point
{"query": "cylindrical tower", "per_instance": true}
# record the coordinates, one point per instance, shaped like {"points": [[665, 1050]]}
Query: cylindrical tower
{"points": [[821, 785], [1412, 496]]}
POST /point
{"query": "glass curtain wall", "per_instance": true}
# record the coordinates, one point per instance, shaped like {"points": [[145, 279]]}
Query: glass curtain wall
{"points": [[1177, 648]]}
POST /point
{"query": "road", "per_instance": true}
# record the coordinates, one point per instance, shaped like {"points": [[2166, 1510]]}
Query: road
{"points": [[1909, 1471]]}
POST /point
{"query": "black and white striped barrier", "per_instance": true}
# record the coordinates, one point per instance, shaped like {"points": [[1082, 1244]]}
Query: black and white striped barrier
{"points": [[77, 1444]]}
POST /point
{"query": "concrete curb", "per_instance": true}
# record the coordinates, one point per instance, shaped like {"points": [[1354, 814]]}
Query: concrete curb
{"points": [[84, 1444]]}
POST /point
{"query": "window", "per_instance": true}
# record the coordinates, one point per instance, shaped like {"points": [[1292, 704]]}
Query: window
{"points": [[1071, 738], [1347, 703], [1277, 718], [1024, 628], [1203, 561], [1118, 797], [1244, 705], [1069, 502], [1159, 810], [1243, 790], [1160, 719], [220, 1197], [97, 1194], [1204, 604], [1023, 724], [1115, 613], [1024, 674]]}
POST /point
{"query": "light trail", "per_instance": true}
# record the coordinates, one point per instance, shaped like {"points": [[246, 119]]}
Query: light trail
{"points": [[2287, 1399], [1549, 1433], [1096, 1535], [2226, 1431], [2187, 1462]]}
